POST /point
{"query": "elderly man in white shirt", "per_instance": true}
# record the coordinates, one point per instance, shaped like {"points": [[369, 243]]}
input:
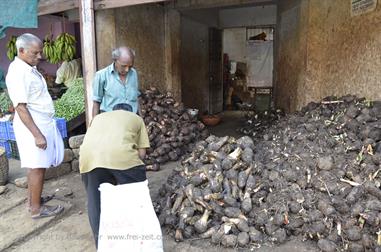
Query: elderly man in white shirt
{"points": [[39, 141]]}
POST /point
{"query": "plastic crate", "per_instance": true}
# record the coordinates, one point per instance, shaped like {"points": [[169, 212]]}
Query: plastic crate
{"points": [[61, 125], [14, 150], [7, 147], [11, 132], [4, 130]]}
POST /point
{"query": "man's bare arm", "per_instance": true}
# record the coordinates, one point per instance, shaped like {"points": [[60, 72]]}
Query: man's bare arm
{"points": [[96, 108], [27, 119], [142, 153]]}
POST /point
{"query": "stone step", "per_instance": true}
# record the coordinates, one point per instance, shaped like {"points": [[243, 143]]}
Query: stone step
{"points": [[16, 223], [72, 232]]}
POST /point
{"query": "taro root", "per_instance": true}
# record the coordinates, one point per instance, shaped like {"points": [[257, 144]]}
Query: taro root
{"points": [[353, 234], [255, 235], [355, 194], [243, 239], [327, 245], [217, 237], [188, 232], [242, 177], [202, 224], [169, 126], [246, 204], [325, 208], [230, 201], [355, 247], [229, 240], [279, 236], [374, 205], [315, 174], [232, 212], [211, 231]]}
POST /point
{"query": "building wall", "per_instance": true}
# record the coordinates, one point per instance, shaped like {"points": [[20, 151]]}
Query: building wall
{"points": [[291, 49], [45, 24], [234, 43], [141, 27], [323, 51], [248, 16], [194, 64], [343, 51]]}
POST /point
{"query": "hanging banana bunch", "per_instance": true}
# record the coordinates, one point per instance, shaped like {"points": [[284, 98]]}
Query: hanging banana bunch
{"points": [[49, 50], [65, 46], [11, 48]]}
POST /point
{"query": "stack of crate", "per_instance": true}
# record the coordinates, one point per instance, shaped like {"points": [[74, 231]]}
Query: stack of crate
{"points": [[8, 140]]}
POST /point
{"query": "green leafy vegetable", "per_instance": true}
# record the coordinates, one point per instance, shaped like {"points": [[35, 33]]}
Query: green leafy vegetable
{"points": [[5, 102], [72, 102]]}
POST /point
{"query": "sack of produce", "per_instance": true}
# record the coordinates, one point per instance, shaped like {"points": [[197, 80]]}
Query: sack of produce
{"points": [[128, 221]]}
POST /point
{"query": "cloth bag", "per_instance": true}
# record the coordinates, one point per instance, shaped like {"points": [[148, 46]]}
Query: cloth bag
{"points": [[128, 221]]}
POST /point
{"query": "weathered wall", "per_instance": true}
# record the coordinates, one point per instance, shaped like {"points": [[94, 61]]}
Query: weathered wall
{"points": [[234, 43], [209, 17], [323, 51], [194, 64], [343, 51], [105, 36], [142, 28], [45, 24], [248, 16], [291, 52]]}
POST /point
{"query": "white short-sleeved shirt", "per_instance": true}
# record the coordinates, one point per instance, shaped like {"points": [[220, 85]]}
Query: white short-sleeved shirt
{"points": [[26, 85]]}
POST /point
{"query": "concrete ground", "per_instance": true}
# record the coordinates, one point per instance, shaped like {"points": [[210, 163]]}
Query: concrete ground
{"points": [[71, 232]]}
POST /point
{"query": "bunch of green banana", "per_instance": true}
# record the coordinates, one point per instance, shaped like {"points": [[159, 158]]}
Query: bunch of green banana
{"points": [[65, 46], [11, 48], [49, 50]]}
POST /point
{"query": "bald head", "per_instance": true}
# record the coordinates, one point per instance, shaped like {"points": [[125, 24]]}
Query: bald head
{"points": [[123, 59], [123, 54]]}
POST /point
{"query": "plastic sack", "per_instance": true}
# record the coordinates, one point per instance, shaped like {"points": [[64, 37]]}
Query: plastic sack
{"points": [[128, 221]]}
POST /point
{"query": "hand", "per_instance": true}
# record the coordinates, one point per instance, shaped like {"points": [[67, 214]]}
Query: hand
{"points": [[41, 142]]}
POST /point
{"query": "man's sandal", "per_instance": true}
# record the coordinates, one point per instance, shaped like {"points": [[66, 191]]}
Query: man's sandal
{"points": [[48, 211], [46, 198]]}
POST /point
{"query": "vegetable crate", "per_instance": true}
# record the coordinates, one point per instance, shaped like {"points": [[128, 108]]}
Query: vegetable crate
{"points": [[3, 130], [60, 123], [5, 144], [14, 150]]}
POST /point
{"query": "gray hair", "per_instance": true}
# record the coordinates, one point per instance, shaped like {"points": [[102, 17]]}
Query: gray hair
{"points": [[117, 52], [25, 40]]}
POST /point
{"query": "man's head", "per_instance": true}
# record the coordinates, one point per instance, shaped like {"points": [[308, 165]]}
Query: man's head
{"points": [[29, 48], [122, 106], [124, 59]]}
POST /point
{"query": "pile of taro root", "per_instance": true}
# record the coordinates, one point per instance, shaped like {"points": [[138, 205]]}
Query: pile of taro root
{"points": [[258, 122], [171, 129], [314, 175]]}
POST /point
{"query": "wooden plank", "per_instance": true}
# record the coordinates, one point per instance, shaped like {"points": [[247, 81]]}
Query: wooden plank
{"points": [[201, 4], [89, 62], [53, 6], [106, 4], [76, 122]]}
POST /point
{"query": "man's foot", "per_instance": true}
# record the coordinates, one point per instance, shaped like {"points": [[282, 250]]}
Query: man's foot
{"points": [[48, 211], [44, 199]]}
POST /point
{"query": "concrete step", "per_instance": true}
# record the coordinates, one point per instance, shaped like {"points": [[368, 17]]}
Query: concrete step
{"points": [[70, 233], [16, 223]]}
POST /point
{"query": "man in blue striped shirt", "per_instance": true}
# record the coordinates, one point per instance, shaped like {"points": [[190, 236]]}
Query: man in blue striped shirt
{"points": [[116, 83]]}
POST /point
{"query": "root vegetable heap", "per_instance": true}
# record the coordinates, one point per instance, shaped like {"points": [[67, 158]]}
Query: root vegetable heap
{"points": [[172, 131], [315, 174]]}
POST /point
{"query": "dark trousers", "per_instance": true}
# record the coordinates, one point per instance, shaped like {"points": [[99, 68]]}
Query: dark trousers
{"points": [[94, 178]]}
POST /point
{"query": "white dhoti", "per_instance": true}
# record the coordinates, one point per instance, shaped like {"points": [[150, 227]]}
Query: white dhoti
{"points": [[30, 155]]}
